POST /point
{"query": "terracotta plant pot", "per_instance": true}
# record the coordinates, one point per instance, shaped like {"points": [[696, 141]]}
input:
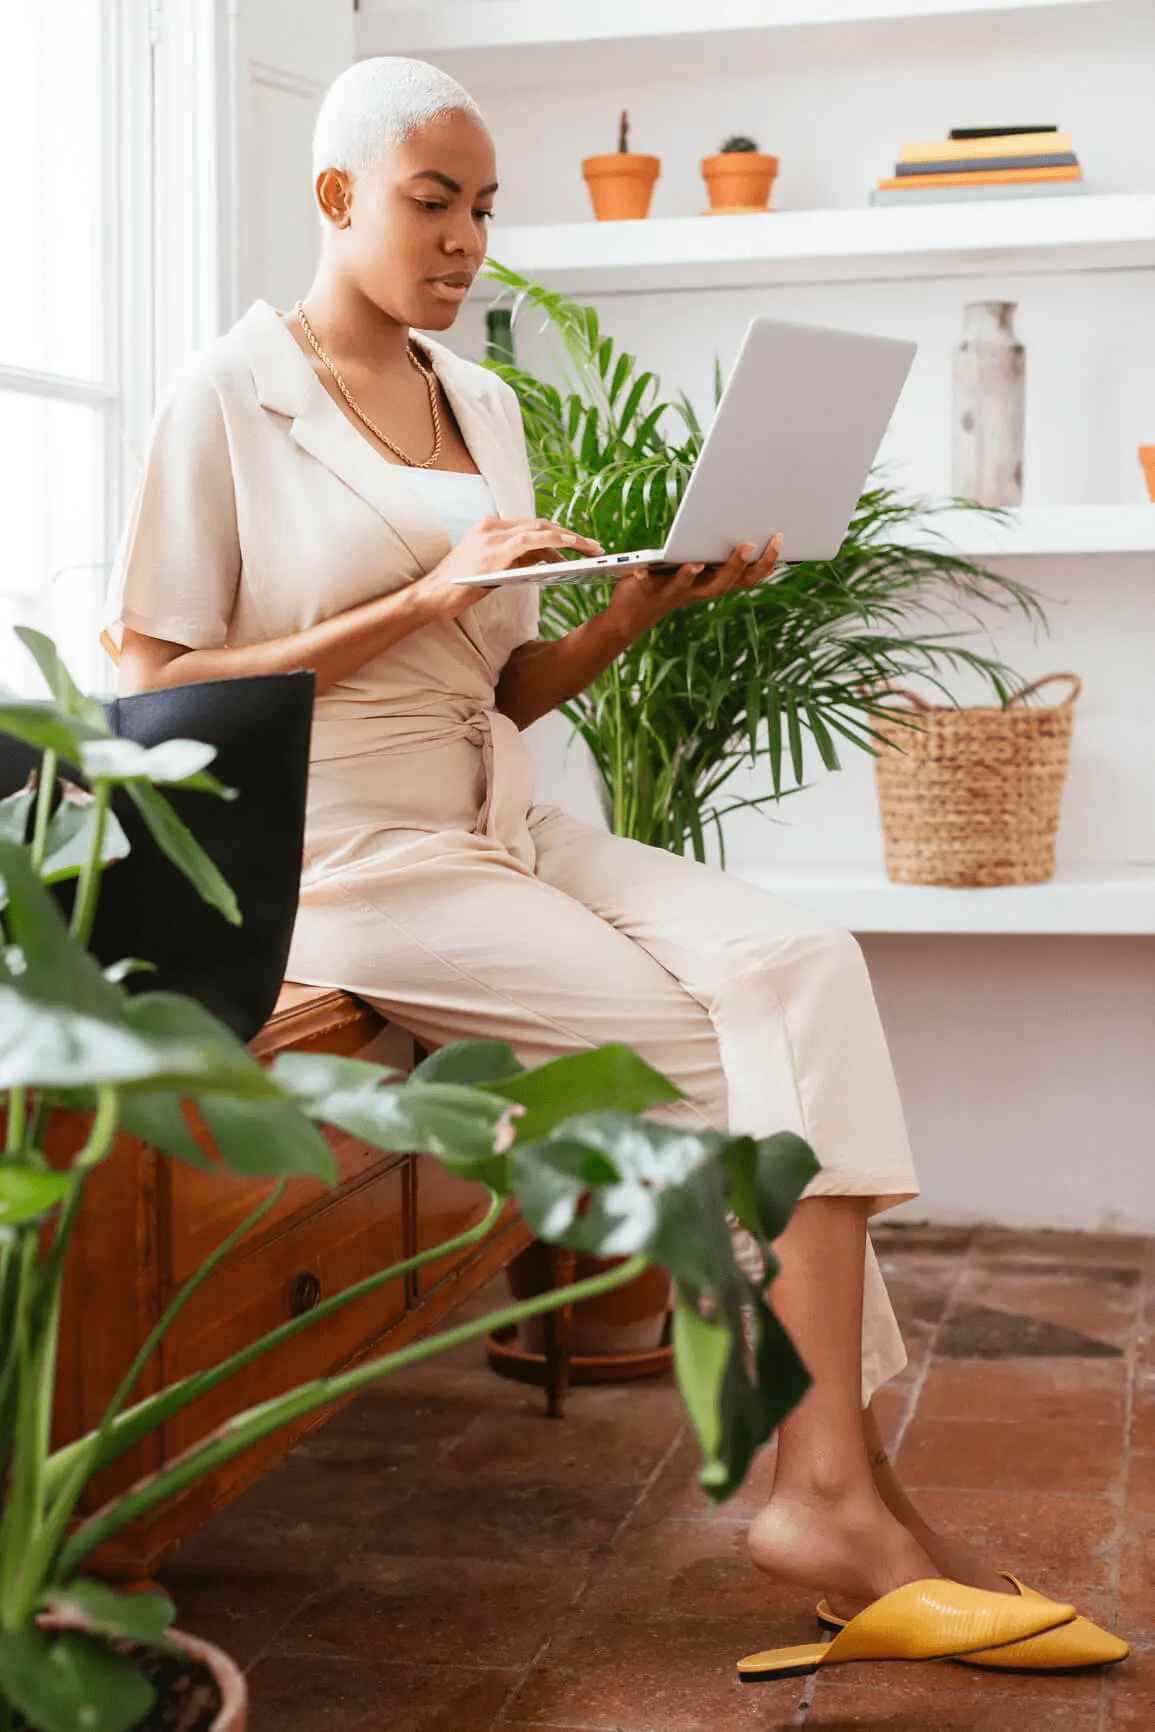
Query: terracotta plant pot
{"points": [[629, 1319], [1147, 459], [739, 180], [233, 1714], [621, 185]]}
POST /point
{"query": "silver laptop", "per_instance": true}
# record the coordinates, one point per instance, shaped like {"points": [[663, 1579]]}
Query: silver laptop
{"points": [[789, 450]]}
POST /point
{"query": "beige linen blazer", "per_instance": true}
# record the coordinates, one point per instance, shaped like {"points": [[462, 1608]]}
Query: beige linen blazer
{"points": [[262, 509]]}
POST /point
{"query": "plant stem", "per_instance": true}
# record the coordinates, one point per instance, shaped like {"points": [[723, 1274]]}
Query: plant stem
{"points": [[17, 1116], [154, 1410], [27, 1540], [84, 912], [245, 1429], [86, 1461], [44, 791], [99, 1142]]}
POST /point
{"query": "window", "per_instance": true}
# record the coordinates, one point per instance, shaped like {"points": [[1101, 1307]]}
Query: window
{"points": [[58, 377]]}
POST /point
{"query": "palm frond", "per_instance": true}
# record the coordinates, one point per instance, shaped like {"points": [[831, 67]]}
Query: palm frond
{"points": [[749, 677]]}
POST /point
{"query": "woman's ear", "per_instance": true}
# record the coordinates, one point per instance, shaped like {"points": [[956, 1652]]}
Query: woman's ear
{"points": [[334, 196]]}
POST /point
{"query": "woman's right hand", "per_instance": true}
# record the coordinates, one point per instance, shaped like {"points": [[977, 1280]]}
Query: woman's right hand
{"points": [[495, 544]]}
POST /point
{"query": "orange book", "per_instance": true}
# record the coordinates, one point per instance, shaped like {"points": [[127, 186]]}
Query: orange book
{"points": [[989, 177], [1020, 144]]}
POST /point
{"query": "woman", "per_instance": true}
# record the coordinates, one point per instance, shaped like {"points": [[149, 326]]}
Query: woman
{"points": [[313, 487]]}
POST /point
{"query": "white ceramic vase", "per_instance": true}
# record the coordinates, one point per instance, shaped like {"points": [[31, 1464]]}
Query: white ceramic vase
{"points": [[990, 368]]}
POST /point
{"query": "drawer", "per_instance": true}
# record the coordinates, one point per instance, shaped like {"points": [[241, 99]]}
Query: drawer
{"points": [[346, 1237], [205, 1207], [445, 1206]]}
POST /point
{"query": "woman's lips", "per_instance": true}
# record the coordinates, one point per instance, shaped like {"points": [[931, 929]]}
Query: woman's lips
{"points": [[450, 288]]}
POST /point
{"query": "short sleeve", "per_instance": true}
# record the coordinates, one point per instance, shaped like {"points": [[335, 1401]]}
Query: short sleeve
{"points": [[179, 564]]}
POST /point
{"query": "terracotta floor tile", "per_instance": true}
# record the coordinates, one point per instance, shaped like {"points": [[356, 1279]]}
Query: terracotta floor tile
{"points": [[940, 1682], [999, 1455], [1047, 1540], [553, 1523], [1135, 1609], [296, 1693], [919, 1287], [1122, 1250], [910, 1705], [382, 1424], [1082, 1299], [695, 1569], [334, 1489], [1130, 1695], [619, 1435], [245, 1540], [897, 1238], [240, 1614], [890, 1406], [1141, 1482], [1143, 1412], [435, 1611], [627, 1672], [1040, 1390], [676, 1491]]}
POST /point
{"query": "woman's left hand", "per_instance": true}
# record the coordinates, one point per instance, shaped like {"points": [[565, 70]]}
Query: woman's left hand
{"points": [[645, 597]]}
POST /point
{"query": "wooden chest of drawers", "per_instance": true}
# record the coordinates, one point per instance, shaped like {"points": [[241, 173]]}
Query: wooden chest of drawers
{"points": [[148, 1222]]}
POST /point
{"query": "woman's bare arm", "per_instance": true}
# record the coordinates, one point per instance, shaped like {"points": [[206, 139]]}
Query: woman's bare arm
{"points": [[339, 646], [541, 675]]}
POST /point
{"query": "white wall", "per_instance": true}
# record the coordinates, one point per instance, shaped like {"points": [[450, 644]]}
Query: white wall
{"points": [[1025, 1066], [291, 50], [1025, 1063]]}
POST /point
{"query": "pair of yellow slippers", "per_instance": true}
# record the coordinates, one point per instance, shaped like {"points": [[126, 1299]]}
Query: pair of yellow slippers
{"points": [[941, 1620]]}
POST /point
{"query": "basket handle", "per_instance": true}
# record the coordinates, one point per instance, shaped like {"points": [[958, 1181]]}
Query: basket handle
{"points": [[912, 698], [1073, 681]]}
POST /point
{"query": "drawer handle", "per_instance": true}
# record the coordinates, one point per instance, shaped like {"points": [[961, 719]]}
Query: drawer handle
{"points": [[305, 1293]]}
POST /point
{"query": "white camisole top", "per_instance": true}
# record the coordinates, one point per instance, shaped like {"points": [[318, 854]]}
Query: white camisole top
{"points": [[457, 501]]}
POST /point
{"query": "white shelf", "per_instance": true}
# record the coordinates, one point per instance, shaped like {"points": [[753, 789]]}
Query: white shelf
{"points": [[1046, 531], [1119, 902], [1109, 231], [492, 27]]}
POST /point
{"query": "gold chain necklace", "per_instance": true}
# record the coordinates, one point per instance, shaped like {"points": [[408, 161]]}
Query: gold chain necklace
{"points": [[426, 373]]}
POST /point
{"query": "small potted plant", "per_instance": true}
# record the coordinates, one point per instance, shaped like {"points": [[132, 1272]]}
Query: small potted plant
{"points": [[1147, 459], [739, 178], [78, 1054], [621, 185]]}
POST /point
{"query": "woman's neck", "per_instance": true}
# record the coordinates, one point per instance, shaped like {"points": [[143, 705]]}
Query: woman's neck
{"points": [[350, 328]]}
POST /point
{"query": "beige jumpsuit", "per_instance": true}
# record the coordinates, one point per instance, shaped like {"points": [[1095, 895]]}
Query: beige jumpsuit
{"points": [[433, 883]]}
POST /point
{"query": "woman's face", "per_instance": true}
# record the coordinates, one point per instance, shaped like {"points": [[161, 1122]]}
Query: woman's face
{"points": [[412, 229]]}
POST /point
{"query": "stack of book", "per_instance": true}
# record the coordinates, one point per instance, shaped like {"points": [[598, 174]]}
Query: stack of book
{"points": [[983, 162]]}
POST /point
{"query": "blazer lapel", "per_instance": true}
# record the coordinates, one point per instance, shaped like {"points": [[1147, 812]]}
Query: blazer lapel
{"points": [[287, 385], [475, 400], [324, 432]]}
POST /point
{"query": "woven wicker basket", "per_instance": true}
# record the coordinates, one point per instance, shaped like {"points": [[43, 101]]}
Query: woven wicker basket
{"points": [[972, 796]]}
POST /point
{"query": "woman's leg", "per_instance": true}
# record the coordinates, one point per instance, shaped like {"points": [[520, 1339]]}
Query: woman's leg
{"points": [[801, 1047], [826, 1527], [958, 1562]]}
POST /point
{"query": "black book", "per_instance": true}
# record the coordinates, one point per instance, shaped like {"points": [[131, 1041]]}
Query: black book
{"points": [[995, 131], [989, 164]]}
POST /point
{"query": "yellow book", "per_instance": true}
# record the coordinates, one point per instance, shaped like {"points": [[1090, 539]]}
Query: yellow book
{"points": [[1020, 144], [988, 177]]}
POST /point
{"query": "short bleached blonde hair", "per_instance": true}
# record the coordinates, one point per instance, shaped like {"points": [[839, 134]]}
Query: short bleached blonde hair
{"points": [[375, 104]]}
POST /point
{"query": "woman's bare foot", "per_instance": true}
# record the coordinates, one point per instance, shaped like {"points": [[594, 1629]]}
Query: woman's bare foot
{"points": [[850, 1549]]}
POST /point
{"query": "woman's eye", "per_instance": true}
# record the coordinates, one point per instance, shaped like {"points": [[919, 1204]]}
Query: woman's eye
{"points": [[484, 215], [431, 204]]}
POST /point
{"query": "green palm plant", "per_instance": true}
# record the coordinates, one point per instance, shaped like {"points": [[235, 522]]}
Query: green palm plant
{"points": [[745, 678]]}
